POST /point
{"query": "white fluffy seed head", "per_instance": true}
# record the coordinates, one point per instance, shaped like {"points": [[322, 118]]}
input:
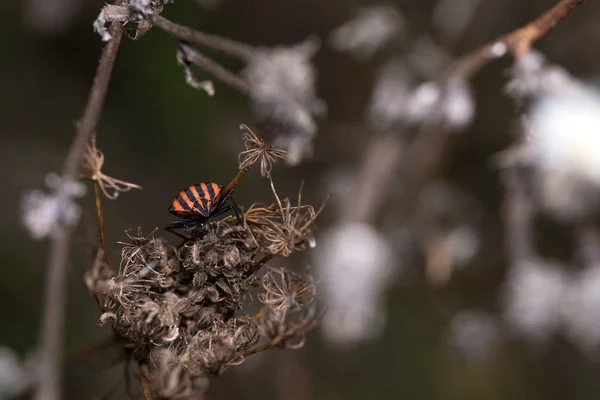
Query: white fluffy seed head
{"points": [[354, 263], [565, 132]]}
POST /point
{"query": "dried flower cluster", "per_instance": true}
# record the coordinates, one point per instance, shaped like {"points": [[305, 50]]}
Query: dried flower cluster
{"points": [[180, 309], [93, 160]]}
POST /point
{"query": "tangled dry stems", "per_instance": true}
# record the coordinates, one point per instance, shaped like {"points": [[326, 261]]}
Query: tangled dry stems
{"points": [[180, 309]]}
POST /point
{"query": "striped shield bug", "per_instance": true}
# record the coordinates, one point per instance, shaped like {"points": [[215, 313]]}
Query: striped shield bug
{"points": [[199, 202]]}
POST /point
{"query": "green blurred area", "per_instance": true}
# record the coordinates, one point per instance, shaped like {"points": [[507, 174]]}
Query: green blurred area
{"points": [[163, 135]]}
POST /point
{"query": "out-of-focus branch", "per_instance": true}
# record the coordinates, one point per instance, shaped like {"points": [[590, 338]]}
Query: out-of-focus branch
{"points": [[228, 46], [517, 42], [430, 144], [53, 316], [193, 56]]}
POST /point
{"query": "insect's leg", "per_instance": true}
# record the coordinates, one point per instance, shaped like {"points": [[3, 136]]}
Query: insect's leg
{"points": [[236, 210], [178, 225], [221, 211], [225, 209], [228, 196]]}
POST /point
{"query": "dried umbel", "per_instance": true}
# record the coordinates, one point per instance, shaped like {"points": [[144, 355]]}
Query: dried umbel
{"points": [[282, 228], [180, 310], [258, 149], [281, 289], [93, 160], [168, 378]]}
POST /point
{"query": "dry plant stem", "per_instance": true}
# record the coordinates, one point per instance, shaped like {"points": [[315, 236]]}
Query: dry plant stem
{"points": [[278, 200], [227, 189], [145, 387], [259, 349], [49, 368], [256, 316], [260, 263], [227, 46], [101, 224], [213, 68], [517, 42]]}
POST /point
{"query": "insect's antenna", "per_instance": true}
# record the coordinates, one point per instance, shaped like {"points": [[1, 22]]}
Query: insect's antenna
{"points": [[223, 193]]}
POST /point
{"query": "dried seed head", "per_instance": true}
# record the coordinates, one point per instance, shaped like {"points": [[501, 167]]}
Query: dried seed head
{"points": [[282, 228], [168, 378], [93, 160], [281, 289], [286, 328], [258, 149], [178, 309], [215, 349]]}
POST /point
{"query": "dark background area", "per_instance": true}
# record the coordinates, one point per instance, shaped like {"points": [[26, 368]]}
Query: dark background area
{"points": [[159, 133]]}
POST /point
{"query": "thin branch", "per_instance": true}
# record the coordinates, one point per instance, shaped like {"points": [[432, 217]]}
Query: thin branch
{"points": [[53, 316], [256, 316], [193, 56], [227, 46], [517, 42], [145, 386], [259, 264], [101, 224], [259, 349]]}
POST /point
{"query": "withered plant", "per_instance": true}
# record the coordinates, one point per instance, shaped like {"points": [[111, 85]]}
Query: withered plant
{"points": [[180, 309], [160, 289]]}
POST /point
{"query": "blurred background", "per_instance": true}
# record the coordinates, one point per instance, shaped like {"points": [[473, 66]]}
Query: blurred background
{"points": [[435, 321]]}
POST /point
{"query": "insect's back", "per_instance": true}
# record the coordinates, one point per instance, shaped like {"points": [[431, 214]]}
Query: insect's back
{"points": [[196, 201]]}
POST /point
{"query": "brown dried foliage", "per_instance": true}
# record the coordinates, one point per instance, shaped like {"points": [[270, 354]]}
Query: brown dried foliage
{"points": [[180, 309]]}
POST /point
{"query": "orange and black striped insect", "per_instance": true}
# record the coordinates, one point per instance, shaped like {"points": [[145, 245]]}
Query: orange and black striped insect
{"points": [[198, 203]]}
